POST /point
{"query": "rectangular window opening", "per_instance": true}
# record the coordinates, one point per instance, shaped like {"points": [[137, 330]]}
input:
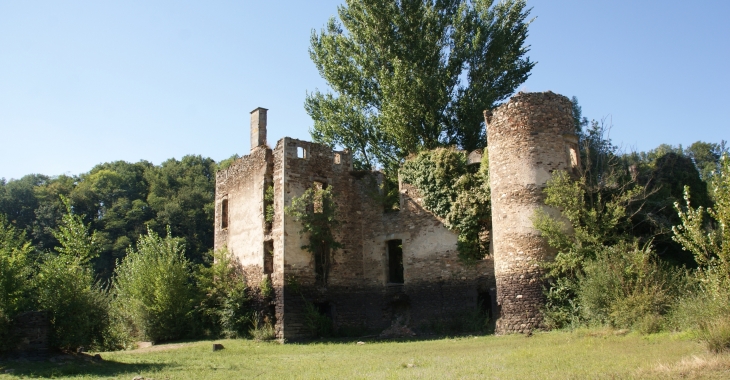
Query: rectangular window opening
{"points": [[268, 257], [573, 157], [395, 261], [224, 214], [301, 152], [337, 159]]}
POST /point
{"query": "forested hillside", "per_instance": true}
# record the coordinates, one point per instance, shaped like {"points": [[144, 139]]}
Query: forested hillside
{"points": [[119, 200]]}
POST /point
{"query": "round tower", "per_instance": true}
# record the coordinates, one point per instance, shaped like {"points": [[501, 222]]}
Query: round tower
{"points": [[529, 137]]}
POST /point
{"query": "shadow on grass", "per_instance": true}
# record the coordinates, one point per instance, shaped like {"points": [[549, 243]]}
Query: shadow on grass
{"points": [[435, 331], [422, 337], [41, 368]]}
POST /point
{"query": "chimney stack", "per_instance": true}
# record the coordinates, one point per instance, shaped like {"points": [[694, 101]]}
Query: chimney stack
{"points": [[258, 127]]}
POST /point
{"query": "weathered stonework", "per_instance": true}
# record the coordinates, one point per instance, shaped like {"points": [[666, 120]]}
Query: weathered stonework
{"points": [[529, 137], [357, 296], [32, 330]]}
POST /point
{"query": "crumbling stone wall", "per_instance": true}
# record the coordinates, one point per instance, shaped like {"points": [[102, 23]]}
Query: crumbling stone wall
{"points": [[241, 186], [357, 296], [529, 137], [436, 286], [32, 330]]}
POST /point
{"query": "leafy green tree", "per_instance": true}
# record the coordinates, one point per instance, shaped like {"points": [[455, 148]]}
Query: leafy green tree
{"points": [[182, 196], [74, 237], [224, 164], [113, 198], [579, 121], [225, 306], [316, 211], [65, 286], [664, 172], [79, 307], [50, 210], [415, 74], [706, 231], [15, 271], [153, 288], [707, 157], [18, 200]]}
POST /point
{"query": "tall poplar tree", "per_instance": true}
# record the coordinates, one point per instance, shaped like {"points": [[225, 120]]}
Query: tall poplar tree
{"points": [[408, 75]]}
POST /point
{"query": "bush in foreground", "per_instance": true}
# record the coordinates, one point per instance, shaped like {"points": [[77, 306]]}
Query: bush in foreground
{"points": [[153, 289], [78, 306], [14, 278], [225, 307]]}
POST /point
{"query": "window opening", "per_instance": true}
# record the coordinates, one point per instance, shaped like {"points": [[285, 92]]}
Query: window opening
{"points": [[301, 152], [337, 158], [573, 157], [395, 261], [268, 257], [484, 301], [224, 214]]}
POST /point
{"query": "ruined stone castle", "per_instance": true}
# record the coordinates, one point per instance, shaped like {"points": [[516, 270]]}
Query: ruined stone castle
{"points": [[395, 268]]}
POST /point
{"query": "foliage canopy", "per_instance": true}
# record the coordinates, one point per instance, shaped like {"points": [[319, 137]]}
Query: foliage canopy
{"points": [[414, 74]]}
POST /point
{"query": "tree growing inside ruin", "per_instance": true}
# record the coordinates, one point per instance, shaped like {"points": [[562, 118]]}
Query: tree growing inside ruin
{"points": [[316, 211], [415, 74]]}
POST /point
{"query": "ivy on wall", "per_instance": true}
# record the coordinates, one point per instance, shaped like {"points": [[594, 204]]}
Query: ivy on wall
{"points": [[269, 202], [315, 210], [457, 193]]}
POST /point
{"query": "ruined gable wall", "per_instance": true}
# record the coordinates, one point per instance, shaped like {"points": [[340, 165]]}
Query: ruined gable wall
{"points": [[295, 176], [529, 137], [243, 185], [438, 286]]}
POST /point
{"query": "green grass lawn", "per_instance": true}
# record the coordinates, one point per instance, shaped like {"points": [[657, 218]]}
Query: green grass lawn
{"points": [[554, 355]]}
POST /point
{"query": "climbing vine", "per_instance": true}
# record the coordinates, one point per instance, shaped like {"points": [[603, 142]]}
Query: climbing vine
{"points": [[315, 210], [457, 193], [269, 202]]}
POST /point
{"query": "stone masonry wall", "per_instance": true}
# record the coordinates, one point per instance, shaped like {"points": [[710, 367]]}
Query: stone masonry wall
{"points": [[243, 185], [529, 137], [32, 330], [437, 286]]}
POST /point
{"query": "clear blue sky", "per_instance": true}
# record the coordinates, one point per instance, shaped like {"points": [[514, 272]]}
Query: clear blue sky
{"points": [[85, 82]]}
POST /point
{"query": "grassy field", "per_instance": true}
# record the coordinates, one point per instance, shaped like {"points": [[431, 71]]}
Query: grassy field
{"points": [[554, 355]]}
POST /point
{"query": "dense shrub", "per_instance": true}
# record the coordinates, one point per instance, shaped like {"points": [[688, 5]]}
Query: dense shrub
{"points": [[15, 274], [65, 286], [225, 308], [78, 306], [590, 222], [153, 289], [705, 232], [625, 287]]}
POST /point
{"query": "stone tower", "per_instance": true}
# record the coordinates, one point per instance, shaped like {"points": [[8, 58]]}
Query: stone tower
{"points": [[529, 137]]}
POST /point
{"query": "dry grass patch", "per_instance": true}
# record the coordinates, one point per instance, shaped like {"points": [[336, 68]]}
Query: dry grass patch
{"points": [[707, 366]]}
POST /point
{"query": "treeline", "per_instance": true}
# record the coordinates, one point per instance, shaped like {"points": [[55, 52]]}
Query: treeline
{"points": [[120, 201]]}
